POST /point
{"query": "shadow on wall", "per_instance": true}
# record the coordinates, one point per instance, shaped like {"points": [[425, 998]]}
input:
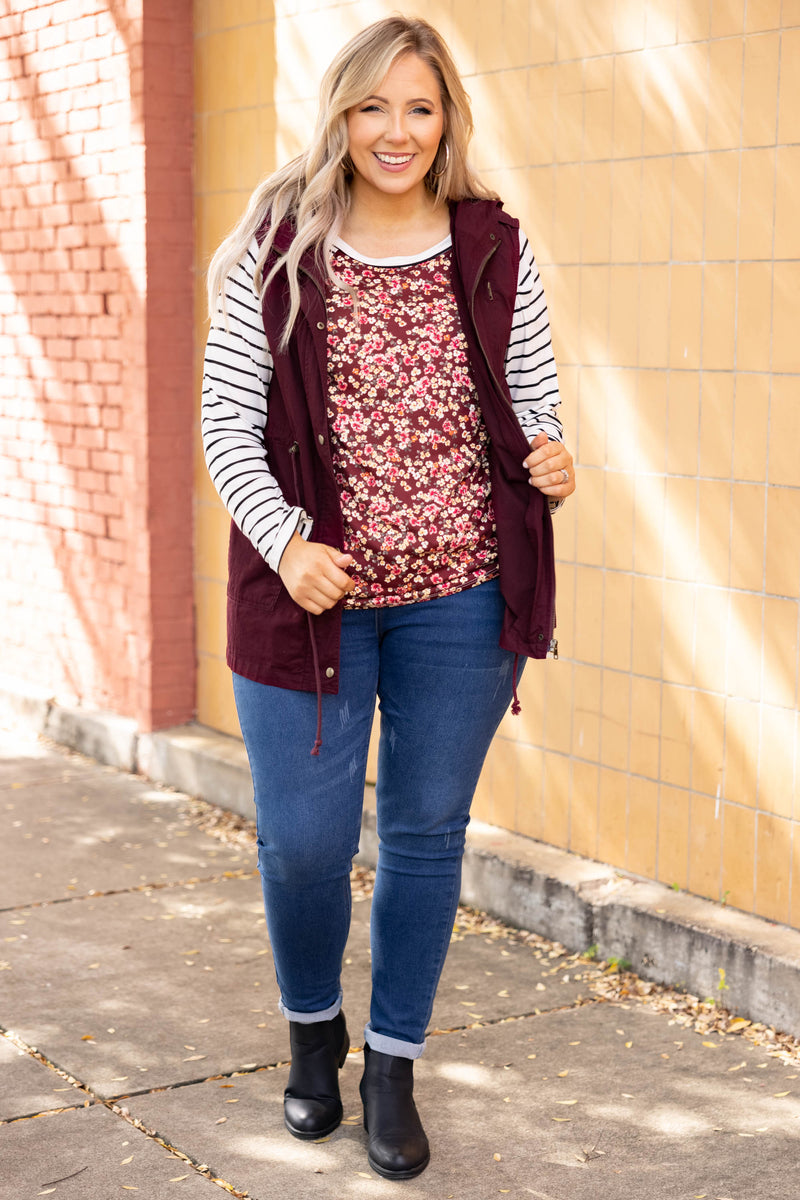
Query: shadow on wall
{"points": [[78, 324]]}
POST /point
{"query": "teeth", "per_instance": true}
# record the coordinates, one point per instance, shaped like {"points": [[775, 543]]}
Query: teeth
{"points": [[393, 159]]}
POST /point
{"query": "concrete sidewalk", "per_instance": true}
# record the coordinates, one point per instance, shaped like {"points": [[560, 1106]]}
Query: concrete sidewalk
{"points": [[143, 1049]]}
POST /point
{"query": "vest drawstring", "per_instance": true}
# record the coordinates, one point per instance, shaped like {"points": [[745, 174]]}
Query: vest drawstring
{"points": [[312, 634], [516, 707]]}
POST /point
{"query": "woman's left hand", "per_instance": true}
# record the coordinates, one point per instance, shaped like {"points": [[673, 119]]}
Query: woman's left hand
{"points": [[551, 468]]}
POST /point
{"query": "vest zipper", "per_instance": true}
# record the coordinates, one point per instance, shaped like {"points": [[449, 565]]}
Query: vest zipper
{"points": [[478, 278]]}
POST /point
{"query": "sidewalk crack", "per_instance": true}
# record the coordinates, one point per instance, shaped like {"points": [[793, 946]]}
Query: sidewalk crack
{"points": [[159, 885]]}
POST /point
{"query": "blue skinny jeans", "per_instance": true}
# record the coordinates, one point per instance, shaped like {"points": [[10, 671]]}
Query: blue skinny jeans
{"points": [[443, 685]]}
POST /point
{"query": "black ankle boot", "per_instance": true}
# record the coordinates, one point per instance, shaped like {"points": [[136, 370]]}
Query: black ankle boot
{"points": [[398, 1147], [312, 1107]]}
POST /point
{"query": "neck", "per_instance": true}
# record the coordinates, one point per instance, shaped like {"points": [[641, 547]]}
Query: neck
{"points": [[377, 213]]}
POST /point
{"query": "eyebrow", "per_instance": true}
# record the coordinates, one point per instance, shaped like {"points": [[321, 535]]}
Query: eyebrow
{"points": [[416, 100]]}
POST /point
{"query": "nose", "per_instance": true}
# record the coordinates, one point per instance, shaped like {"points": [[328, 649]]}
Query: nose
{"points": [[396, 131]]}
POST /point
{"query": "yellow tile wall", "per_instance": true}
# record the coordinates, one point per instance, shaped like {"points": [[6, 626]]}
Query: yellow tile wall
{"points": [[651, 149]]}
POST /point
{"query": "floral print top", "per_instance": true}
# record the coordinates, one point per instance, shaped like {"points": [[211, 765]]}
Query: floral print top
{"points": [[408, 442]]}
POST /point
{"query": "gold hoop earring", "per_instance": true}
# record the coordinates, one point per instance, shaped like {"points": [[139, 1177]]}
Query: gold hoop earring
{"points": [[440, 173]]}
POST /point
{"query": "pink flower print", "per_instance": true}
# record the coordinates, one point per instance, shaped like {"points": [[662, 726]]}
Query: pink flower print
{"points": [[436, 580]]}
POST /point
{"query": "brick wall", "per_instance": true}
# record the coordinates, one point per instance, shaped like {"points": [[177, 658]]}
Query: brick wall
{"points": [[96, 344]]}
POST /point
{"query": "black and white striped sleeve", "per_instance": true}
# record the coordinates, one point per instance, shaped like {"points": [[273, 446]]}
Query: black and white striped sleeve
{"points": [[530, 366], [236, 379]]}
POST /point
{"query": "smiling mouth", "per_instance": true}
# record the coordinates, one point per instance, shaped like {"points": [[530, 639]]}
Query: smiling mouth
{"points": [[394, 160]]}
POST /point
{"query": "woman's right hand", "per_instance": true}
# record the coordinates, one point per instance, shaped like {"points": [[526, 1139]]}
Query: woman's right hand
{"points": [[314, 574]]}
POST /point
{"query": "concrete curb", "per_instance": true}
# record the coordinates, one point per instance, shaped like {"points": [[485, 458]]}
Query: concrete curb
{"points": [[746, 963]]}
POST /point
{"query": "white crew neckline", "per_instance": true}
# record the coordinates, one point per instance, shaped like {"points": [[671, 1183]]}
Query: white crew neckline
{"points": [[399, 260]]}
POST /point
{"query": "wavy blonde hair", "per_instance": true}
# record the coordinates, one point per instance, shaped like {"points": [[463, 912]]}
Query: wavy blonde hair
{"points": [[312, 191]]}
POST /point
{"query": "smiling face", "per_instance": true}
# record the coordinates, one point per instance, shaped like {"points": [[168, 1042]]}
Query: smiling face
{"points": [[395, 134]]}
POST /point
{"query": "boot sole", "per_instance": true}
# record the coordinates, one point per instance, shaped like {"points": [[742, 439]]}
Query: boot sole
{"points": [[314, 1136], [411, 1173]]}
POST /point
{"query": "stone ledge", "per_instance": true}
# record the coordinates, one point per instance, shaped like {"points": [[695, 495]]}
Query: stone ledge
{"points": [[750, 965]]}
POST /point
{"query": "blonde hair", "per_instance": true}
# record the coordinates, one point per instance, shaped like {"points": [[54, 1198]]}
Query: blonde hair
{"points": [[312, 190]]}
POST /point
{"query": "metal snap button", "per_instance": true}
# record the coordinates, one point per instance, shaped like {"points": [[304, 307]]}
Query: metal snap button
{"points": [[330, 672], [321, 439], [320, 324]]}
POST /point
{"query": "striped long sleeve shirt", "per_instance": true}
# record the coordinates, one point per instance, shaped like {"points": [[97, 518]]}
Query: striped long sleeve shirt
{"points": [[237, 374]]}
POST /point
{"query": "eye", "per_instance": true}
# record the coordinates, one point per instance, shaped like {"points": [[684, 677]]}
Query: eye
{"points": [[423, 110], [370, 108]]}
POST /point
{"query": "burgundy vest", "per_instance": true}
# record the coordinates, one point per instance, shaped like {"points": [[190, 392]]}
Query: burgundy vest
{"points": [[269, 636]]}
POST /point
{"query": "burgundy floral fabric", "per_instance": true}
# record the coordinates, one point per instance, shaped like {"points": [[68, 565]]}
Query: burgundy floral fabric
{"points": [[408, 441]]}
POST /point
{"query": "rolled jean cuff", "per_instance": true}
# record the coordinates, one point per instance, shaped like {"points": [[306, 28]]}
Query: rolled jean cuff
{"points": [[390, 1045], [305, 1018]]}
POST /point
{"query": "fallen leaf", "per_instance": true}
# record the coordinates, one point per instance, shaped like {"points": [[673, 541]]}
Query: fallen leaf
{"points": [[741, 1064], [504, 992], [627, 1095], [233, 1100], [195, 1057], [711, 1045], [566, 1101], [88, 1037], [540, 987], [93, 966], [221, 1121], [125, 1161], [561, 1118], [178, 1178], [496, 1157], [737, 1023], [628, 1045], [779, 1094]]}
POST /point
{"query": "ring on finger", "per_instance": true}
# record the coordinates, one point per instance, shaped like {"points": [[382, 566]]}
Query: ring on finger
{"points": [[565, 474]]}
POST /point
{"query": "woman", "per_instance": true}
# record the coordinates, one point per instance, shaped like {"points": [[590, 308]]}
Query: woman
{"points": [[391, 538]]}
